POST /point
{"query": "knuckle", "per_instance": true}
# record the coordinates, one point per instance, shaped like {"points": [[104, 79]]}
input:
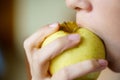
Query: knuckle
{"points": [[65, 74], [59, 42], [63, 41], [93, 64], [26, 44]]}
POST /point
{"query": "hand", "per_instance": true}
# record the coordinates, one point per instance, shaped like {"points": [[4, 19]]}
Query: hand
{"points": [[39, 58]]}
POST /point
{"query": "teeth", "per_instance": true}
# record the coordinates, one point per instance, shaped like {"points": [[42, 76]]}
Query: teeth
{"points": [[69, 27]]}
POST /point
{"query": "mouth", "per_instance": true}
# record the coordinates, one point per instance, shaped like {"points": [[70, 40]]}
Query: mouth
{"points": [[92, 29]]}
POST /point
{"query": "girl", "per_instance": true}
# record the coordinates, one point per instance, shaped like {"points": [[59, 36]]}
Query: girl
{"points": [[100, 16]]}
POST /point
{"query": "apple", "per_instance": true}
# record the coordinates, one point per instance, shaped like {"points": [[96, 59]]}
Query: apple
{"points": [[90, 47]]}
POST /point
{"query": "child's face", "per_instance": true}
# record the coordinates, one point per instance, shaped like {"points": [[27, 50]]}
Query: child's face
{"points": [[103, 18]]}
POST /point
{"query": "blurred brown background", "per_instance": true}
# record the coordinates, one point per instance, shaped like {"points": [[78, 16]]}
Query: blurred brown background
{"points": [[6, 22], [14, 66], [21, 18]]}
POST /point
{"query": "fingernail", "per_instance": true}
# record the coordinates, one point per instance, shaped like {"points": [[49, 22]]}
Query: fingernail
{"points": [[74, 37], [53, 25], [102, 62]]}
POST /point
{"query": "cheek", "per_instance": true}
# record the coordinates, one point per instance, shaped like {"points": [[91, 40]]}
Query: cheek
{"points": [[91, 21], [109, 20], [105, 22]]}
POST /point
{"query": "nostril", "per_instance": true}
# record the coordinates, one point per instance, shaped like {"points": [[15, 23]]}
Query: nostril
{"points": [[77, 8], [79, 5]]}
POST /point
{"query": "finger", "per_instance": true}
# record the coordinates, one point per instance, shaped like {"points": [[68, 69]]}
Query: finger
{"points": [[80, 69], [53, 49], [45, 54], [36, 39]]}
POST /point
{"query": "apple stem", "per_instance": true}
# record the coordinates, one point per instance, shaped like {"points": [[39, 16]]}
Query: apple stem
{"points": [[69, 27]]}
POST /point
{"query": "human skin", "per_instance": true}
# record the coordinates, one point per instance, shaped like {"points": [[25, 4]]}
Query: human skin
{"points": [[39, 58], [100, 16], [103, 18]]}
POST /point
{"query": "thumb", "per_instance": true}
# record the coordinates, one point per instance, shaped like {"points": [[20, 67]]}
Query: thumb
{"points": [[80, 69]]}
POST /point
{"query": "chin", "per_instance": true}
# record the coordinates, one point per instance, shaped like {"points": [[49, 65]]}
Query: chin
{"points": [[113, 63], [115, 68]]}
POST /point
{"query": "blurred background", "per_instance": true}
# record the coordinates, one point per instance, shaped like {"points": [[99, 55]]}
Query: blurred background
{"points": [[21, 18]]}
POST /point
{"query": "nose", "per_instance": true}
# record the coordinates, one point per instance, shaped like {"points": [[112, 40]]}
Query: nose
{"points": [[79, 4]]}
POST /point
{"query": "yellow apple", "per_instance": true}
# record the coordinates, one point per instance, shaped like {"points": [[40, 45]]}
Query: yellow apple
{"points": [[90, 47]]}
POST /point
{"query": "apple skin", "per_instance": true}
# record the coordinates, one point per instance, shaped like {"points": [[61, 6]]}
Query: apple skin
{"points": [[90, 47]]}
